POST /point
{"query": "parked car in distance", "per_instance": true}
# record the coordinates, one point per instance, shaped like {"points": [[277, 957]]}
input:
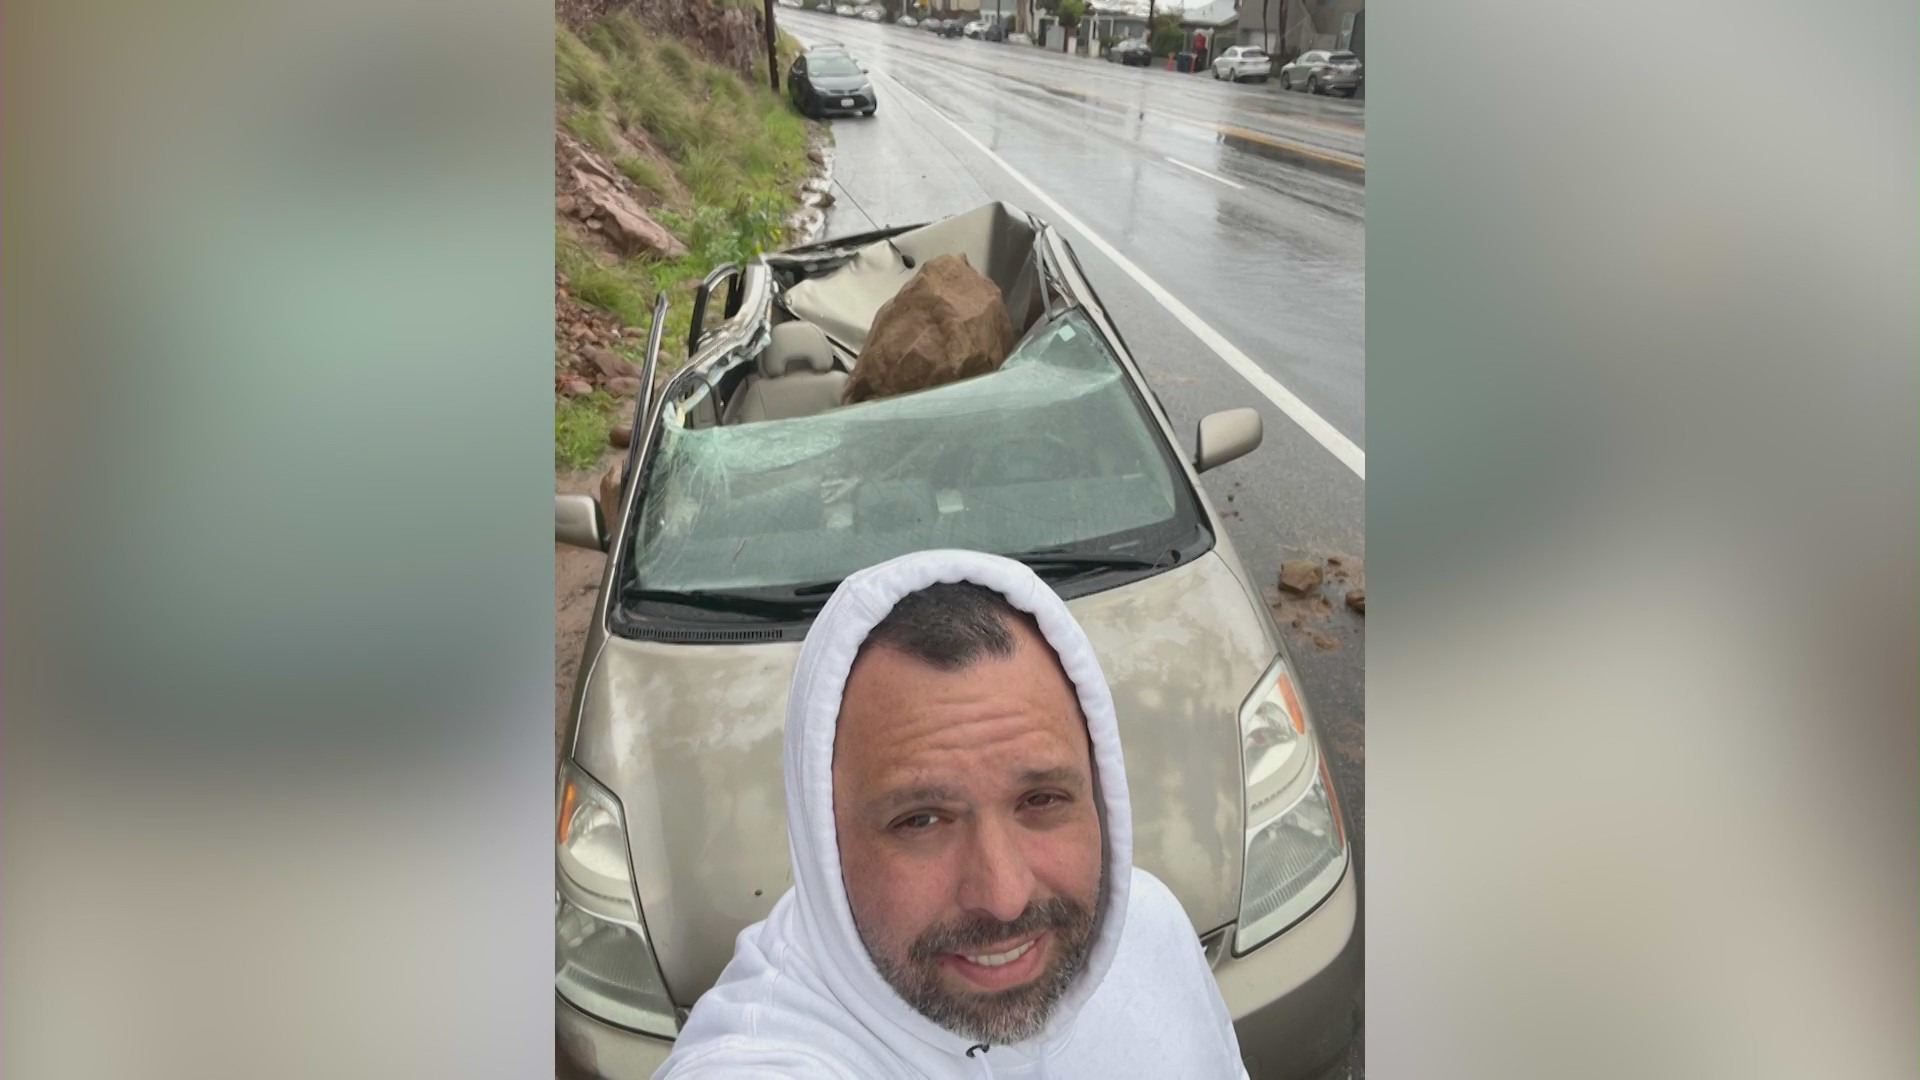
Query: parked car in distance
{"points": [[975, 28], [1322, 71], [751, 490], [907, 21], [1017, 38], [1132, 52], [826, 81], [871, 14], [950, 28], [1249, 62], [843, 9]]}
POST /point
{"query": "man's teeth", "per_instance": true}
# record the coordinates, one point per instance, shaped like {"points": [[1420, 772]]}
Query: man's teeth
{"points": [[997, 959]]}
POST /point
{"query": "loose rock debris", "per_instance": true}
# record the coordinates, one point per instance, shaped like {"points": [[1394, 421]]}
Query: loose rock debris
{"points": [[1301, 577], [1300, 605]]}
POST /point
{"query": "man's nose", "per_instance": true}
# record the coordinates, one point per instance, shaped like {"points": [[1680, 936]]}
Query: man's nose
{"points": [[997, 880]]}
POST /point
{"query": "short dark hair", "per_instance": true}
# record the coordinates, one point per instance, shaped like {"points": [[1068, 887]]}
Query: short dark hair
{"points": [[950, 626]]}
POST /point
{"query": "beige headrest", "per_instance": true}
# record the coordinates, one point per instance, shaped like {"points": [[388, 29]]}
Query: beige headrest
{"points": [[796, 346]]}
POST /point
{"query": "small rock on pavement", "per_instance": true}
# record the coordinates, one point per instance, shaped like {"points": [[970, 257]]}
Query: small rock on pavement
{"points": [[620, 436], [1299, 576], [576, 388], [1357, 600], [625, 386]]}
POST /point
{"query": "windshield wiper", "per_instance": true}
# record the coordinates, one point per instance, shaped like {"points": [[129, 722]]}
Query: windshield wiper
{"points": [[808, 599], [1082, 562], [738, 603]]}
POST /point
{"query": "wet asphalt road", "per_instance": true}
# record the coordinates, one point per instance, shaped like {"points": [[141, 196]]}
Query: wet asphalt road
{"points": [[1245, 204]]}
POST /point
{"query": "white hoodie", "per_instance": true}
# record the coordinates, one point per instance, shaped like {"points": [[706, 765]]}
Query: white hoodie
{"points": [[801, 997]]}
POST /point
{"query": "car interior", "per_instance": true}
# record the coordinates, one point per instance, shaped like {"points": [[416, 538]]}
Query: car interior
{"points": [[795, 375], [824, 306]]}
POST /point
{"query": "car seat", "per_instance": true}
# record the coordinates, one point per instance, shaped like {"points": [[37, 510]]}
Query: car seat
{"points": [[796, 377]]}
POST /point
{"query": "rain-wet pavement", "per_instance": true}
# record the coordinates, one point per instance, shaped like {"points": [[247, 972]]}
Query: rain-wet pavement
{"points": [[1244, 203]]}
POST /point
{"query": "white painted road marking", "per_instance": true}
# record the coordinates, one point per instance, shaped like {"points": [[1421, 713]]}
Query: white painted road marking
{"points": [[1205, 173], [1298, 411]]}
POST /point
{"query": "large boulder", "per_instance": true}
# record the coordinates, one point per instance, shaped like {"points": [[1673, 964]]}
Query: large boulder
{"points": [[947, 323]]}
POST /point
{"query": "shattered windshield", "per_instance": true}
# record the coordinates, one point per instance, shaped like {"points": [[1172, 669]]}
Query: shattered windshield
{"points": [[1052, 452]]}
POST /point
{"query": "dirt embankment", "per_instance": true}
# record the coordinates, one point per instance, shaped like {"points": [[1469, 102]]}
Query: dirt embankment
{"points": [[729, 34]]}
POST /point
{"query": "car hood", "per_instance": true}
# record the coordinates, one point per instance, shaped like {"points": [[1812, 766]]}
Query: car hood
{"points": [[689, 738], [839, 84]]}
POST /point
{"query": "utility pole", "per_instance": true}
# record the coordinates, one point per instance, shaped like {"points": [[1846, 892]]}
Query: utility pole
{"points": [[773, 60]]}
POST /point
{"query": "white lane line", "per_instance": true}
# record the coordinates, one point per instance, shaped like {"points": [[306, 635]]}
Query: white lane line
{"points": [[1205, 173], [1298, 411]]}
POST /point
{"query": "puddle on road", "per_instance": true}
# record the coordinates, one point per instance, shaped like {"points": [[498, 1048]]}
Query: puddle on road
{"points": [[1046, 95]]}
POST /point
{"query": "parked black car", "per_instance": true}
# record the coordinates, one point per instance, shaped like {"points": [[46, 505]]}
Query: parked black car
{"points": [[1132, 52], [827, 81], [951, 28]]}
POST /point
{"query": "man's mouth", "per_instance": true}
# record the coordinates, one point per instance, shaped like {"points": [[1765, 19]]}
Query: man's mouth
{"points": [[997, 959], [999, 968]]}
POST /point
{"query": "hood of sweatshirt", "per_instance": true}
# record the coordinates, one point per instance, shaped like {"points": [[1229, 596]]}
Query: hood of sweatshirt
{"points": [[821, 913]]}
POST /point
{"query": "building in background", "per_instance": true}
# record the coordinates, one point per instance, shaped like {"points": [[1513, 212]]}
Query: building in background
{"points": [[1113, 22], [1214, 22], [1287, 28]]}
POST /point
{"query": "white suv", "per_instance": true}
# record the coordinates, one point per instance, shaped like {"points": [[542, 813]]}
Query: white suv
{"points": [[1243, 62]]}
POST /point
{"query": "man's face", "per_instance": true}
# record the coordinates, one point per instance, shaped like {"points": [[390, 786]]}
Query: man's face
{"points": [[969, 833]]}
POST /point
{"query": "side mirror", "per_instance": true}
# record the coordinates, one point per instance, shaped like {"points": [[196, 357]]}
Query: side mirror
{"points": [[1226, 435], [576, 522]]}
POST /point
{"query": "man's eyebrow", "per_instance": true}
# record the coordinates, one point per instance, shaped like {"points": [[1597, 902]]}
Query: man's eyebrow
{"points": [[1064, 775], [909, 796]]}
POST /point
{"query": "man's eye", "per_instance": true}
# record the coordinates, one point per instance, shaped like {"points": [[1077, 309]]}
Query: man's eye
{"points": [[916, 822], [1043, 800]]}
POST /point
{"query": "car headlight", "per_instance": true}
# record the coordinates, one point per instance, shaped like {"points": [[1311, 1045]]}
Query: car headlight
{"points": [[603, 962], [1296, 848]]}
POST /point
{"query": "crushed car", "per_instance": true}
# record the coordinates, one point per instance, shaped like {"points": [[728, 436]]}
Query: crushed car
{"points": [[753, 486]]}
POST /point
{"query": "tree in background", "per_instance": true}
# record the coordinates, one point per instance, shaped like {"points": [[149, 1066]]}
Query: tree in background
{"points": [[1165, 35], [1070, 14]]}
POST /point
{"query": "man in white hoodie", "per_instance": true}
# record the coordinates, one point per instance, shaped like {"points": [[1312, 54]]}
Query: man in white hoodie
{"points": [[964, 901]]}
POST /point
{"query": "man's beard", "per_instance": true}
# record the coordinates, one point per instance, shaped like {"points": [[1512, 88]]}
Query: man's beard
{"points": [[996, 1017]]}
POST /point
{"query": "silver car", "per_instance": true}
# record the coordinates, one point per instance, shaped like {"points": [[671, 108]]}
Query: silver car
{"points": [[752, 490], [1323, 72]]}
